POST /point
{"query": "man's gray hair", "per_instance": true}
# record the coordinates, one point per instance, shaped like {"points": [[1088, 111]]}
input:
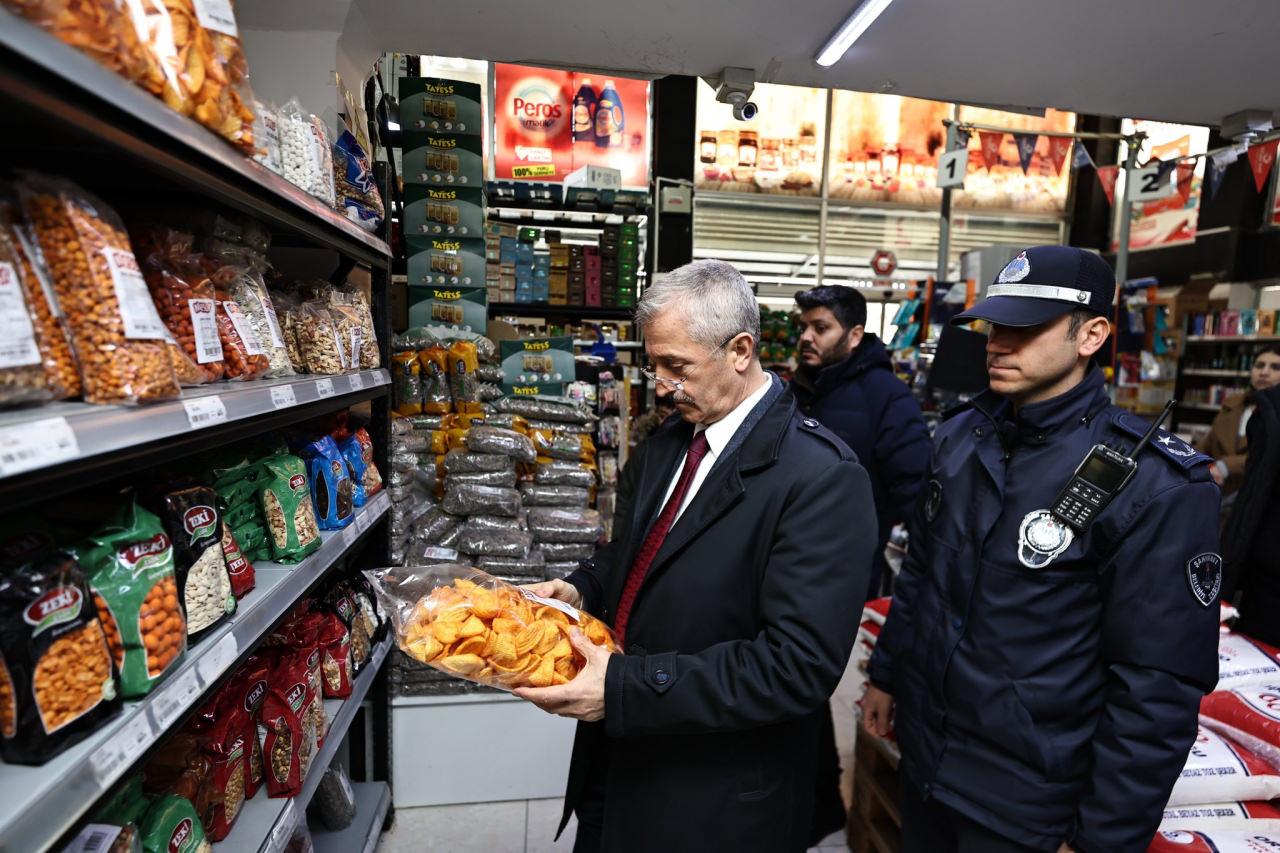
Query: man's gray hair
{"points": [[714, 298]]}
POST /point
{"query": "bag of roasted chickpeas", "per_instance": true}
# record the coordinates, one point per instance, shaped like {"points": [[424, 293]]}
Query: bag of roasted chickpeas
{"points": [[57, 681], [129, 563]]}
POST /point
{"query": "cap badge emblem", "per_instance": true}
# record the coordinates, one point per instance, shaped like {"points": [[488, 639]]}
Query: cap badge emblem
{"points": [[1082, 297], [1016, 270]]}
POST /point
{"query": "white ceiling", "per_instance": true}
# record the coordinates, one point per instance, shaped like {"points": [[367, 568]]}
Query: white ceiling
{"points": [[1172, 60]]}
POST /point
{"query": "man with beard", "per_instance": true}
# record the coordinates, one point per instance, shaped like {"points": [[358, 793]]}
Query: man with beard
{"points": [[846, 382]]}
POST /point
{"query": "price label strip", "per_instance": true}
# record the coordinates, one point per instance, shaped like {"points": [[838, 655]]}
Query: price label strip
{"points": [[324, 387], [282, 397], [218, 660], [123, 749], [357, 382], [36, 444], [284, 828], [350, 534], [177, 696], [205, 411]]}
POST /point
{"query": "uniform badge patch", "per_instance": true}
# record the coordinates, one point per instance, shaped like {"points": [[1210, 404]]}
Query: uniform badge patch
{"points": [[1016, 270], [1176, 446], [1041, 539], [1204, 576], [933, 500]]}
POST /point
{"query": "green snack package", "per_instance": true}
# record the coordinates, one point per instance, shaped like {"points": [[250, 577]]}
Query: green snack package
{"points": [[129, 564], [173, 826], [285, 498], [237, 493], [238, 515]]}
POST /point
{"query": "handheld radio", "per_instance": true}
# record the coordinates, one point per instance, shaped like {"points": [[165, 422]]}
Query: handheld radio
{"points": [[1099, 478]]}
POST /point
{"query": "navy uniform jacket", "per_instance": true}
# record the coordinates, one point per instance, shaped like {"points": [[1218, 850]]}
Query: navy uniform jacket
{"points": [[1054, 703]]}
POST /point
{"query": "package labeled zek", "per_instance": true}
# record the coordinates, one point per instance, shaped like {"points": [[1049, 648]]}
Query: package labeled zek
{"points": [[1219, 771], [472, 625], [1214, 841]]}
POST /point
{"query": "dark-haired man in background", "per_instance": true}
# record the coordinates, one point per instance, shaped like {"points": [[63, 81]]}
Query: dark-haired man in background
{"points": [[846, 382]]}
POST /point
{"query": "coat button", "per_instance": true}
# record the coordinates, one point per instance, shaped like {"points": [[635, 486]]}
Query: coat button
{"points": [[661, 676], [810, 423], [957, 623], [978, 432]]}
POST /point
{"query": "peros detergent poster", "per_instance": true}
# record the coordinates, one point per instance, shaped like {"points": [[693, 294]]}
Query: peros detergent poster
{"points": [[549, 123]]}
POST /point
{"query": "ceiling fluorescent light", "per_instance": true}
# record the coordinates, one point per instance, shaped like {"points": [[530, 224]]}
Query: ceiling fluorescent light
{"points": [[862, 18]]}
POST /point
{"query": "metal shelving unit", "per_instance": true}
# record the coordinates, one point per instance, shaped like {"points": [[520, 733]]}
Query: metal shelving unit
{"points": [[82, 121], [497, 309]]}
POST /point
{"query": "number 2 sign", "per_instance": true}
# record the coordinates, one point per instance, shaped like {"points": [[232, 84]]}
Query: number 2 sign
{"points": [[1149, 184]]}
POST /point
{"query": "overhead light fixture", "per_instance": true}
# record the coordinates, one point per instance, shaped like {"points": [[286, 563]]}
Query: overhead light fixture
{"points": [[862, 18]]}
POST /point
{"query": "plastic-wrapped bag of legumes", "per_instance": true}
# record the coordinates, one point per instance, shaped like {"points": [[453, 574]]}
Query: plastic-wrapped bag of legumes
{"points": [[57, 683], [129, 563], [286, 503], [184, 296], [193, 523], [114, 324], [472, 625]]}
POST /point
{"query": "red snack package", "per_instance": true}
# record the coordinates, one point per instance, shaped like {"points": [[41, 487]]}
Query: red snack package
{"points": [[1249, 715], [239, 569], [246, 690], [227, 750], [285, 738], [336, 664]]}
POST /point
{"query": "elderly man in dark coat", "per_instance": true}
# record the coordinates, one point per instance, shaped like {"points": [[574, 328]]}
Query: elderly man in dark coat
{"points": [[742, 551]]}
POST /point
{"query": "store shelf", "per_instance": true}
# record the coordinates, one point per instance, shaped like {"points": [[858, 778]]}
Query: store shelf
{"points": [[61, 442], [593, 220], [616, 344], [541, 310], [1200, 407], [265, 824], [1225, 374], [373, 801], [96, 110], [1230, 339], [39, 804]]}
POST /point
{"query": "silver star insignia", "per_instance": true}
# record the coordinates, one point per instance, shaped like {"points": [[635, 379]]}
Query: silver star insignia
{"points": [[1166, 440]]}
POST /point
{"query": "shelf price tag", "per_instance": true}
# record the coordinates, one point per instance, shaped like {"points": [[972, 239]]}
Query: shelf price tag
{"points": [[282, 397], [218, 659], [36, 444], [324, 387], [284, 828], [350, 534], [357, 382], [363, 521], [178, 695], [123, 748], [205, 411]]}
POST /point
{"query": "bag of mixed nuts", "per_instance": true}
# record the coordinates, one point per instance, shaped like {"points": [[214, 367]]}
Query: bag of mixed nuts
{"points": [[281, 721], [57, 683], [286, 504], [331, 486], [192, 520], [227, 748]]}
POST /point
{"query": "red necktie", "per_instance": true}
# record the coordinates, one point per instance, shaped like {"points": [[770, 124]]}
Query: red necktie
{"points": [[697, 449]]}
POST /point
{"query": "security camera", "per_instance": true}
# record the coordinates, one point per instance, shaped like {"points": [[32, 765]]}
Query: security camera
{"points": [[734, 87]]}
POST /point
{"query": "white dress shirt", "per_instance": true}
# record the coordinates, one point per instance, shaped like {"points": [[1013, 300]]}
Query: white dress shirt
{"points": [[718, 436]]}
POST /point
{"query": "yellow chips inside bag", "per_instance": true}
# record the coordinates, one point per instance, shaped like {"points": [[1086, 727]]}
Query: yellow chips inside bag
{"points": [[488, 631]]}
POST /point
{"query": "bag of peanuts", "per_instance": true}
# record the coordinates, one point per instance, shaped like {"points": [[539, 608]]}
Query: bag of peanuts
{"points": [[286, 504], [241, 349], [184, 296], [36, 361], [57, 682], [129, 563], [192, 521], [114, 325]]}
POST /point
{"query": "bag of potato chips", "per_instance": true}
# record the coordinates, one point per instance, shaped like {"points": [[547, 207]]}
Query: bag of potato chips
{"points": [[472, 625]]}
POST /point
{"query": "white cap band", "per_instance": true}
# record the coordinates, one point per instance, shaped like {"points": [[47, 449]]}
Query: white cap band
{"points": [[1041, 291]]}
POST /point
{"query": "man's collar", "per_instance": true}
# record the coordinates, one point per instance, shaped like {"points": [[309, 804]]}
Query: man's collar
{"points": [[720, 432]]}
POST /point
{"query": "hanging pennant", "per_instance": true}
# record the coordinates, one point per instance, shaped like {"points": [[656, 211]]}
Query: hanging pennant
{"points": [[1080, 158], [1186, 175], [1215, 168], [990, 147], [1026, 143], [1058, 148], [1107, 177], [1261, 158]]}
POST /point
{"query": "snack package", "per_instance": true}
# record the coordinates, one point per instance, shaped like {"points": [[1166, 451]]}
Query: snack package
{"points": [[467, 462], [470, 499], [463, 362], [347, 324], [241, 350], [480, 541], [227, 748], [286, 737], [356, 190], [172, 825], [57, 682], [406, 384], [286, 504], [370, 356], [471, 625], [505, 479], [535, 495], [540, 408], [246, 286], [101, 29], [101, 292], [559, 570], [184, 296], [496, 440], [565, 525], [563, 552], [341, 602], [334, 802], [192, 522], [239, 568], [331, 487], [1249, 716], [357, 449], [574, 448], [1219, 771], [1255, 817], [266, 132], [1243, 660], [36, 361], [305, 152], [246, 691], [437, 396], [317, 334], [130, 567], [337, 663], [1214, 841]]}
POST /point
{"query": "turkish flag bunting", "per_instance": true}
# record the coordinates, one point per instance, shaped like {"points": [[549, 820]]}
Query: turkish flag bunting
{"points": [[1261, 158], [1186, 174], [990, 147], [1107, 177], [1059, 148]]}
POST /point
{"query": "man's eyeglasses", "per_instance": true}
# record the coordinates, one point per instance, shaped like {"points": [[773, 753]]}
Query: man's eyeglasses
{"points": [[677, 385]]}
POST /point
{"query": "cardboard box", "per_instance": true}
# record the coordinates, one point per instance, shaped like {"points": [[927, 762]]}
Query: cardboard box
{"points": [[436, 104], [443, 160], [597, 177], [440, 261], [501, 229], [432, 212], [461, 307]]}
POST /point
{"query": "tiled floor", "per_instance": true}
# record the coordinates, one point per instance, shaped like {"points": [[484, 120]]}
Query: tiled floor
{"points": [[529, 826]]}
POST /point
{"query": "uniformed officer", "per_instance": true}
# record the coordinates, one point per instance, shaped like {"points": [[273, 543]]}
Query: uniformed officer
{"points": [[1047, 678]]}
